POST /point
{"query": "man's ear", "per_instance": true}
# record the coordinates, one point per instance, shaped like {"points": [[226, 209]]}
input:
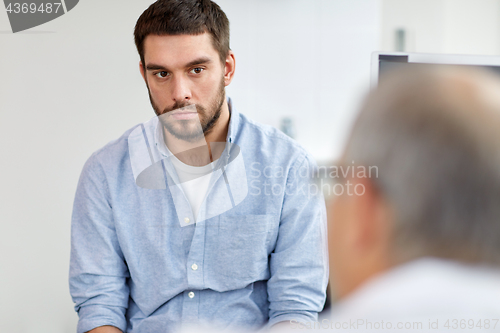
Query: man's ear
{"points": [[229, 67], [359, 235], [143, 72], [371, 228]]}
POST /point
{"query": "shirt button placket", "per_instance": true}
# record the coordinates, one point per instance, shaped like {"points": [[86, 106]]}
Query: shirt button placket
{"points": [[190, 306]]}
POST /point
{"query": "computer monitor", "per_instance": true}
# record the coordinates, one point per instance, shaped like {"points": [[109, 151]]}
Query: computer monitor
{"points": [[382, 62]]}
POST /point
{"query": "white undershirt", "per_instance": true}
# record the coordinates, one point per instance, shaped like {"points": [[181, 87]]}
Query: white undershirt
{"points": [[194, 182]]}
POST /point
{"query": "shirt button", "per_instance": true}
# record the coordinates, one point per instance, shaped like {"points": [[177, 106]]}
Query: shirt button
{"points": [[191, 294], [186, 219], [194, 267]]}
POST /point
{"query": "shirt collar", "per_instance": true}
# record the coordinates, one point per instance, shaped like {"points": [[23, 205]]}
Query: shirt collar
{"points": [[160, 140], [233, 122]]}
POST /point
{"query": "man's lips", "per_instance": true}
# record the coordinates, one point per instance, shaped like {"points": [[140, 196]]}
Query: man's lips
{"points": [[184, 115], [187, 112]]}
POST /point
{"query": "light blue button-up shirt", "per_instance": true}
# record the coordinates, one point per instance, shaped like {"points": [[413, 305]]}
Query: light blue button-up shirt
{"points": [[134, 265]]}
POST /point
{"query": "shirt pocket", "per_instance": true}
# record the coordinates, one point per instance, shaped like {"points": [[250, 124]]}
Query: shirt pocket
{"points": [[242, 247]]}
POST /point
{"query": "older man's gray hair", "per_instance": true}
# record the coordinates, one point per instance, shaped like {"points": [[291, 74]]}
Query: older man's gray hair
{"points": [[434, 135]]}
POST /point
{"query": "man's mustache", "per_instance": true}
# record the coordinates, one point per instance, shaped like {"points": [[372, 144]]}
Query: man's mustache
{"points": [[179, 106]]}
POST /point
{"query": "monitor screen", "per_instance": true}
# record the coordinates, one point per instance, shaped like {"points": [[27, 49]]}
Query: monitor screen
{"points": [[383, 62]]}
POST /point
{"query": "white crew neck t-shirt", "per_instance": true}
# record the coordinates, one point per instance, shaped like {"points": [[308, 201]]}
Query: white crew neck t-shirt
{"points": [[194, 181]]}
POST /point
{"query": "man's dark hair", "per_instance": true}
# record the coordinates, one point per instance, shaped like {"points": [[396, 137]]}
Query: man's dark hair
{"points": [[184, 17]]}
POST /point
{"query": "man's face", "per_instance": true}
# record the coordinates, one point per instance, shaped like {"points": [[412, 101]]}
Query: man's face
{"points": [[184, 70]]}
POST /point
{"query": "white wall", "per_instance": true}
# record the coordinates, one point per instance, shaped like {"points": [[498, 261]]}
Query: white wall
{"points": [[443, 26], [71, 85], [472, 27]]}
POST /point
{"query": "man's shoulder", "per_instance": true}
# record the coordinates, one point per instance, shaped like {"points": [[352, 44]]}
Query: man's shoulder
{"points": [[113, 152], [267, 131], [410, 289], [269, 140]]}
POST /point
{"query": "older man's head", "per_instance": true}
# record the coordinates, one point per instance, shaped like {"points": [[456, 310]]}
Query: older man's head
{"points": [[434, 137]]}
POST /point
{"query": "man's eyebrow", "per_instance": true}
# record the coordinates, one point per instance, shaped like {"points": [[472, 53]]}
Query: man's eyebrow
{"points": [[152, 67], [199, 61]]}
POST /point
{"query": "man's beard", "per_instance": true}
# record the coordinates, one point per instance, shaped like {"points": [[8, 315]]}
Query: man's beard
{"points": [[189, 130]]}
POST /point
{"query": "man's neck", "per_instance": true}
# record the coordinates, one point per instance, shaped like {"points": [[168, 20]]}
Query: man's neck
{"points": [[220, 129], [208, 148]]}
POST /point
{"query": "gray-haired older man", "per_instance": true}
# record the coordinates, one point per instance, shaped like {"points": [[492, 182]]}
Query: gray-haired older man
{"points": [[420, 248]]}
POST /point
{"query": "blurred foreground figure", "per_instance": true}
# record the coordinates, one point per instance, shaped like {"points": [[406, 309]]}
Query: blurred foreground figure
{"points": [[419, 248]]}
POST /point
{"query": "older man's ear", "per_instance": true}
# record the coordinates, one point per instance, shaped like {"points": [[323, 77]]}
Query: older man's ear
{"points": [[359, 236], [372, 224]]}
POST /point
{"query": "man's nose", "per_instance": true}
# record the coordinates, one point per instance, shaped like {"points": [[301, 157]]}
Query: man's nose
{"points": [[181, 91]]}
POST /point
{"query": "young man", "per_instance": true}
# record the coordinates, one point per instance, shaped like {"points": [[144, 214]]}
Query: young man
{"points": [[198, 216]]}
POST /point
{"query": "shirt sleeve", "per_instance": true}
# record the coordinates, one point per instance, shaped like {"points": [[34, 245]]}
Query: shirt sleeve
{"points": [[299, 262], [98, 272]]}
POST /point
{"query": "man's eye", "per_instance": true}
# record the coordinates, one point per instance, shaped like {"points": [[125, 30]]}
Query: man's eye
{"points": [[197, 70], [162, 74]]}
